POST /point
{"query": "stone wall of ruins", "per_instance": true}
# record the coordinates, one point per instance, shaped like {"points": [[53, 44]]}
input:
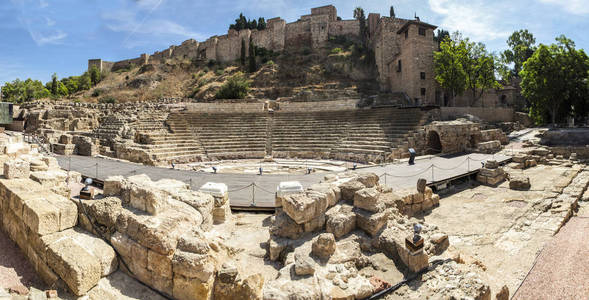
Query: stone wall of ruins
{"points": [[487, 114]]}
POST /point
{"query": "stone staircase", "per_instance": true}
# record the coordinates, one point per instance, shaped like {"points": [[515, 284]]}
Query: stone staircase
{"points": [[110, 129], [373, 134], [169, 141], [226, 136]]}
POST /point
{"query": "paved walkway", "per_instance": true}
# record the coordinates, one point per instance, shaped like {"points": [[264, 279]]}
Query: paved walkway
{"points": [[241, 190], [561, 271]]}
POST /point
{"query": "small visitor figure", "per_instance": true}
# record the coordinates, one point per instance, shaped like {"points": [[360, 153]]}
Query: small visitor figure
{"points": [[173, 166], [214, 170], [354, 166], [261, 171], [411, 156], [309, 170]]}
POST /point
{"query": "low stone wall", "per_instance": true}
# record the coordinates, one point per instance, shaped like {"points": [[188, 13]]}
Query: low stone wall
{"points": [[38, 216], [492, 115], [318, 106], [224, 107]]}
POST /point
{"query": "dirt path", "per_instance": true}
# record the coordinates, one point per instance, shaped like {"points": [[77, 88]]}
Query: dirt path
{"points": [[15, 270], [561, 271]]}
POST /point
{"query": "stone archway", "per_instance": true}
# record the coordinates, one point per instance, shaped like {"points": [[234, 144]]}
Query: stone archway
{"points": [[434, 144]]}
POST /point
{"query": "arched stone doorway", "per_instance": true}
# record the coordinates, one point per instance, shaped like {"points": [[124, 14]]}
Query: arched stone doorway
{"points": [[434, 144]]}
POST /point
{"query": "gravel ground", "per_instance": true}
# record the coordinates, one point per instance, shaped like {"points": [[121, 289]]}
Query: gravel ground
{"points": [[561, 271], [15, 270]]}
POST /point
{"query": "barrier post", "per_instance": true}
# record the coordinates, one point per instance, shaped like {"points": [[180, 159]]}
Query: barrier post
{"points": [[253, 194], [191, 183], [385, 178], [432, 173], [468, 163], [96, 171]]}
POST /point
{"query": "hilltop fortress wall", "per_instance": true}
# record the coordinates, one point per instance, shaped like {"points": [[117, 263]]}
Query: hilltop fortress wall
{"points": [[403, 48], [309, 31]]}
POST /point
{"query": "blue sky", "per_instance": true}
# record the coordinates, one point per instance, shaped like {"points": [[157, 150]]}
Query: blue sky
{"points": [[40, 37]]}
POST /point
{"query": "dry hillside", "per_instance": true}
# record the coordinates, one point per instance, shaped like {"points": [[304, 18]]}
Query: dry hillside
{"points": [[338, 70]]}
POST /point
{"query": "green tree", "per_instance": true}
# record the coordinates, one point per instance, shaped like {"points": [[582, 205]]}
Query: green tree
{"points": [[53, 88], [95, 75], [261, 23], [361, 17], [554, 81], [448, 66], [236, 87], [521, 47], [243, 53], [479, 69], [19, 91], [85, 82], [252, 66]]}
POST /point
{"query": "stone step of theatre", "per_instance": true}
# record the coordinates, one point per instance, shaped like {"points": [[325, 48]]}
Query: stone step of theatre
{"points": [[248, 135]]}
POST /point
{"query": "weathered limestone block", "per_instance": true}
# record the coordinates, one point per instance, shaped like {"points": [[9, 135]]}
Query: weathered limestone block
{"points": [[348, 189], [368, 179], [222, 213], [114, 185], [64, 149], [230, 285], [491, 172], [315, 224], [148, 199], [491, 164], [304, 265], [371, 223], [323, 246], [328, 190], [519, 182], [190, 288], [40, 216], [51, 162], [286, 188], [305, 207], [414, 262], [157, 234], [367, 199], [440, 242], [276, 247], [68, 211], [159, 264], [193, 265], [284, 226], [341, 220], [49, 179], [530, 163], [16, 169], [38, 165], [78, 268]]}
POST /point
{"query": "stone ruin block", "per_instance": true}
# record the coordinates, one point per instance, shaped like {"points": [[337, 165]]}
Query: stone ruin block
{"points": [[330, 190], [113, 185], [519, 182], [38, 165], [491, 174], [16, 169], [305, 207], [64, 149], [66, 139], [371, 223], [368, 199], [349, 189], [148, 199], [286, 188], [85, 146], [489, 147], [341, 220], [221, 209], [79, 259]]}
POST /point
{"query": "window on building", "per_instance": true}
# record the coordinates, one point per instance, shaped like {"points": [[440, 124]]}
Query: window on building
{"points": [[399, 66], [406, 33], [422, 75], [423, 91], [422, 31]]}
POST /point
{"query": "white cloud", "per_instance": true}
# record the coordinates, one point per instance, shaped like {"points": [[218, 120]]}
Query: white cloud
{"points": [[474, 19], [43, 3], [576, 7], [127, 22], [50, 22], [53, 37]]}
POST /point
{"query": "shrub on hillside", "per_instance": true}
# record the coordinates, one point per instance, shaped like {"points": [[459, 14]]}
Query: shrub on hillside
{"points": [[107, 99], [336, 50], [236, 87]]}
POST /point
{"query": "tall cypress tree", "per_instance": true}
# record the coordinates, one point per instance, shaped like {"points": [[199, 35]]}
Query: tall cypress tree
{"points": [[252, 58]]}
